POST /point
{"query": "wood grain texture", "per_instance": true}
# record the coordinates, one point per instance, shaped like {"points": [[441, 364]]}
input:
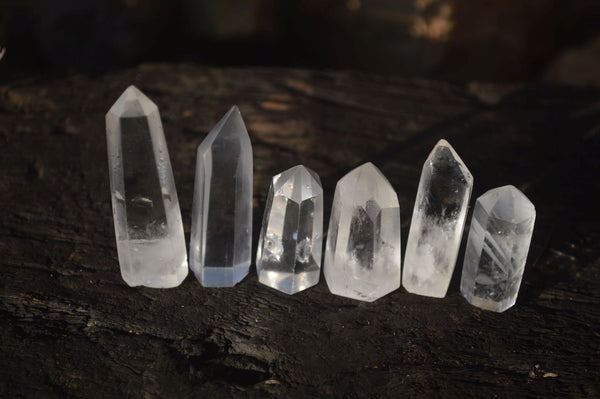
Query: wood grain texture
{"points": [[70, 327]]}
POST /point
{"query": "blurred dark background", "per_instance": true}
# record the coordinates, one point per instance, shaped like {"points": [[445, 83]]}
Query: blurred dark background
{"points": [[460, 41]]}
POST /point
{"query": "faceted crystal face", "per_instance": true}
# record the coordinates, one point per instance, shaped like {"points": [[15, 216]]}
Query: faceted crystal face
{"points": [[362, 257], [221, 236], [289, 248], [148, 227], [437, 222], [497, 248]]}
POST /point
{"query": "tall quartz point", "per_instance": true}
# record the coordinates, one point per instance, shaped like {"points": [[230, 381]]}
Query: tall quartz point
{"points": [[497, 248], [437, 223], [362, 256], [289, 248], [148, 228], [221, 236]]}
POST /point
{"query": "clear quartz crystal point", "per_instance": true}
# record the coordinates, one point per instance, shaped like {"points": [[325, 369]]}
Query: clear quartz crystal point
{"points": [[497, 248], [221, 235], [289, 248], [148, 228], [437, 222], [362, 256]]}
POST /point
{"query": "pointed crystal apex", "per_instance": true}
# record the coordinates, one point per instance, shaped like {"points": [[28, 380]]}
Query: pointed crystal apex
{"points": [[230, 125], [289, 248], [437, 223], [443, 143], [133, 103], [148, 227], [366, 182], [507, 203], [297, 184], [221, 235], [362, 256], [497, 248], [444, 154]]}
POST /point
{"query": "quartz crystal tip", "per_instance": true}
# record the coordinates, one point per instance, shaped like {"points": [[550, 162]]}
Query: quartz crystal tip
{"points": [[221, 234], [132, 103], [147, 219], [289, 248], [497, 248], [362, 256], [437, 222]]}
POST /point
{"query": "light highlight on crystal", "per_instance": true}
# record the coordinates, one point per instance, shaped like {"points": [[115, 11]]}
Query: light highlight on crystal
{"points": [[148, 227], [497, 248], [362, 256], [289, 248]]}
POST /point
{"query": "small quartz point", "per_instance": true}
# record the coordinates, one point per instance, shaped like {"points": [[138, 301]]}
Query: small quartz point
{"points": [[289, 248], [221, 235], [437, 223], [148, 228], [497, 248], [362, 257]]}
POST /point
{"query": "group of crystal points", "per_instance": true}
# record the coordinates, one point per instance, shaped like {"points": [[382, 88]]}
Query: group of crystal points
{"points": [[498, 243], [362, 255], [147, 219]]}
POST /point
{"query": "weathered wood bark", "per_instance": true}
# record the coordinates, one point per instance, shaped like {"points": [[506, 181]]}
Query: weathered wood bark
{"points": [[70, 327]]}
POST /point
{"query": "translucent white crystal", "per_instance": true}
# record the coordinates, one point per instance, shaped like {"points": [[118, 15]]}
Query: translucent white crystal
{"points": [[289, 248], [362, 256], [148, 228], [497, 248], [221, 235], [437, 222]]}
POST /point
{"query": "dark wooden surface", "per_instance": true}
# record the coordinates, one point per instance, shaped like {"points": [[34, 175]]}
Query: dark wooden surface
{"points": [[70, 327]]}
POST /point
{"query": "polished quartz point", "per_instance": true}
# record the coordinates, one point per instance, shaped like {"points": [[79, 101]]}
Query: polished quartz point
{"points": [[289, 248], [497, 248], [221, 235], [148, 228], [362, 256], [437, 222]]}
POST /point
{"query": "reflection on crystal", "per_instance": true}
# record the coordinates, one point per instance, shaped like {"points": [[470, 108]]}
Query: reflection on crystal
{"points": [[497, 248], [148, 227], [437, 222], [362, 257], [289, 248], [221, 234]]}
